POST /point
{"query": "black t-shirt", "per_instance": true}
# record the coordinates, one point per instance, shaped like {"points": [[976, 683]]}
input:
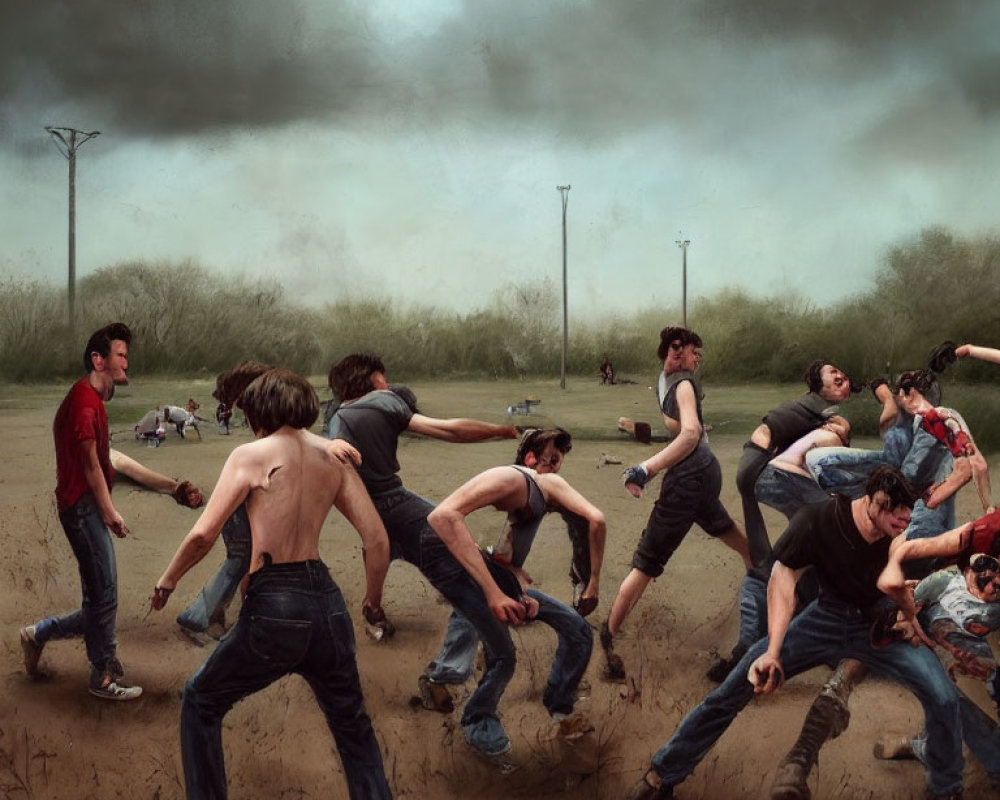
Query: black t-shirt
{"points": [[794, 419], [824, 536], [373, 424]]}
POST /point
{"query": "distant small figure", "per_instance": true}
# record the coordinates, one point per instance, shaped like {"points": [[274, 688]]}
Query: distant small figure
{"points": [[150, 429], [181, 419], [223, 414], [607, 371], [525, 407]]}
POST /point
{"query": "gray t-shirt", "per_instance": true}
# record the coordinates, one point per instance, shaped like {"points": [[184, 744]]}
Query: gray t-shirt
{"points": [[666, 396], [373, 424]]}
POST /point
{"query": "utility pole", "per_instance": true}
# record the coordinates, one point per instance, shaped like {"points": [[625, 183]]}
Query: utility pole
{"points": [[683, 245], [564, 191], [68, 140]]}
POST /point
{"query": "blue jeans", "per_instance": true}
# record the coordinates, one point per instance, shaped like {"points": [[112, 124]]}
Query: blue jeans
{"points": [[95, 619], [218, 593], [412, 539], [293, 620], [786, 491], [576, 641], [825, 633], [846, 469], [981, 734]]}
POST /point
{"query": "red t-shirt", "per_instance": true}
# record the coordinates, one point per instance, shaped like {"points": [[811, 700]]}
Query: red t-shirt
{"points": [[80, 418]]}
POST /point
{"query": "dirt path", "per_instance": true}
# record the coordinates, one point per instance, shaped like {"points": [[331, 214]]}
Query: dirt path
{"points": [[57, 742]]}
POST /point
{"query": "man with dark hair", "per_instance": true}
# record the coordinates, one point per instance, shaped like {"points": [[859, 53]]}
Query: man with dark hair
{"points": [[372, 418], [84, 476], [780, 427], [293, 619], [958, 609], [847, 543], [934, 451], [526, 491]]}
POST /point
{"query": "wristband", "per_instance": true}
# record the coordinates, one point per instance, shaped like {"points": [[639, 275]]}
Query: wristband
{"points": [[636, 475]]}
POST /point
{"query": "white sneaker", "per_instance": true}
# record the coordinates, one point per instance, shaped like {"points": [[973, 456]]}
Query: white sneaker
{"points": [[115, 691]]}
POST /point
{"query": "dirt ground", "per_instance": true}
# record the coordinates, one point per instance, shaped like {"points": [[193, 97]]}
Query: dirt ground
{"points": [[58, 742]]}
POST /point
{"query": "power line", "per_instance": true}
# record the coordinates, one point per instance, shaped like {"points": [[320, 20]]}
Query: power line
{"points": [[564, 191], [68, 141], [683, 245]]}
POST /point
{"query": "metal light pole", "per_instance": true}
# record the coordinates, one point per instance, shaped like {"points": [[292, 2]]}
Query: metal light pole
{"points": [[564, 191], [683, 245], [68, 140]]}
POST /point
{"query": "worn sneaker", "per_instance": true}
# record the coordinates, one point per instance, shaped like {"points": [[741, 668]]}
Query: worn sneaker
{"points": [[570, 727], [113, 690], [32, 651], [435, 696], [643, 790], [895, 748]]}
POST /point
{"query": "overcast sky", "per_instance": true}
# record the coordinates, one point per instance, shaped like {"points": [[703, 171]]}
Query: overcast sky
{"points": [[412, 149]]}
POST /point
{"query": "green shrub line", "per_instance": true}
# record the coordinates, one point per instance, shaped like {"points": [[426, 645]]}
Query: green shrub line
{"points": [[189, 321]]}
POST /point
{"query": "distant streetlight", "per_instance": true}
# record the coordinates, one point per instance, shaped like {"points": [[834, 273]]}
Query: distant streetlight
{"points": [[564, 191], [683, 245], [68, 140]]}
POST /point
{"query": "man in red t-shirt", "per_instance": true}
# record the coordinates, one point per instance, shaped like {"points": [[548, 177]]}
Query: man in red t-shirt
{"points": [[84, 476]]}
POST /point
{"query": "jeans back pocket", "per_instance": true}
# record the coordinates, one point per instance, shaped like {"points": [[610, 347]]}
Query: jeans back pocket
{"points": [[281, 642]]}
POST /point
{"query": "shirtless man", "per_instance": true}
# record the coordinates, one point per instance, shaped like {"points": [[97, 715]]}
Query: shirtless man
{"points": [[293, 618], [526, 491]]}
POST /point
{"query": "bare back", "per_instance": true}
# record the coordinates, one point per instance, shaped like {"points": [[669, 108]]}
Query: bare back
{"points": [[294, 480]]}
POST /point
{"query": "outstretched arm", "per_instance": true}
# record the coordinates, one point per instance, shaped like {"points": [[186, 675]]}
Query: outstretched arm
{"points": [[944, 546], [460, 429], [975, 351], [184, 492], [231, 490]]}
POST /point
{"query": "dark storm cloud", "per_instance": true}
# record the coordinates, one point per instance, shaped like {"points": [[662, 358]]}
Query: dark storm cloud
{"points": [[581, 72], [180, 67]]}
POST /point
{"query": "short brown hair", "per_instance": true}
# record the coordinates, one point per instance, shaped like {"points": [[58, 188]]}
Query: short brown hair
{"points": [[351, 377], [230, 384], [279, 397], [674, 334], [535, 440], [100, 342]]}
